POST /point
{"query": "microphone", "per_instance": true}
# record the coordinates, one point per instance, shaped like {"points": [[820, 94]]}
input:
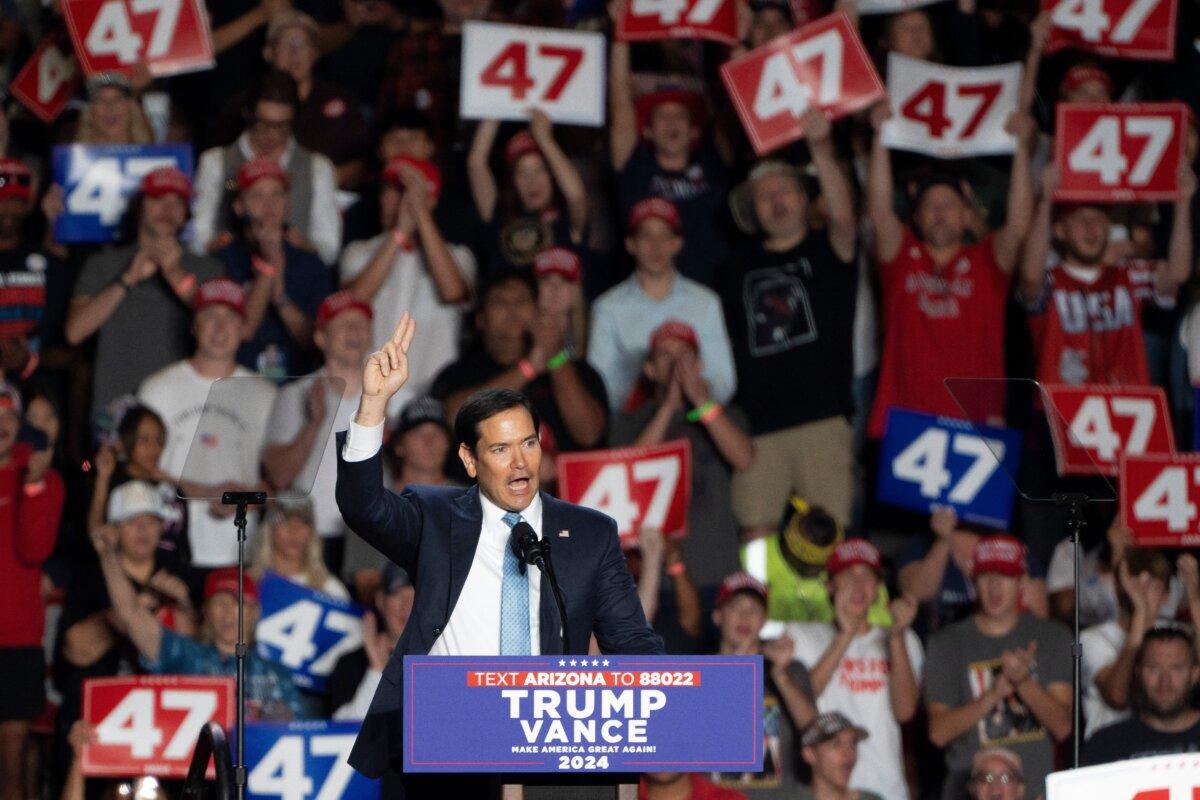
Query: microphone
{"points": [[529, 549]]}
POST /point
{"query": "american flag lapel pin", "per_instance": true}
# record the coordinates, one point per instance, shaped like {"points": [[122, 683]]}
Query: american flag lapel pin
{"points": [[564, 534]]}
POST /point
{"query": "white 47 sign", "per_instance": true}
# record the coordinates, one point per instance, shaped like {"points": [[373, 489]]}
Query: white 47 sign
{"points": [[949, 112], [1139, 29], [1119, 152], [508, 69], [639, 487], [169, 36], [822, 65]]}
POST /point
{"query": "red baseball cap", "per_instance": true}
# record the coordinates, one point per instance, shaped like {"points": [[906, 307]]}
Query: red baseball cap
{"points": [[16, 181], [251, 172], [338, 302], [166, 180], [740, 582], [430, 170], [221, 291], [225, 579], [1080, 74], [654, 208], [850, 552], [999, 553], [558, 261], [521, 143], [692, 101], [675, 329]]}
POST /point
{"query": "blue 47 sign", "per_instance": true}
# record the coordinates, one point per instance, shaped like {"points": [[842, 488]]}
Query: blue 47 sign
{"points": [[300, 760], [99, 180], [305, 630], [931, 461]]}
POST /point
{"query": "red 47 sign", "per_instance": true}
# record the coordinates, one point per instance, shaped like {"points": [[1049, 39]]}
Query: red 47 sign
{"points": [[646, 20], [1095, 425], [147, 725], [1119, 152], [637, 486], [47, 81], [508, 69], [1159, 497], [1137, 29], [823, 64], [948, 112], [170, 36]]}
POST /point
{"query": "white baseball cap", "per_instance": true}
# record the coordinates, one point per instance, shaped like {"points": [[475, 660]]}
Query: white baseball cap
{"points": [[133, 499]]}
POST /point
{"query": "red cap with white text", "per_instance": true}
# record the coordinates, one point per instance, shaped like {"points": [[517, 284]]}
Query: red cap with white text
{"points": [[999, 553], [221, 291], [850, 552], [166, 180], [740, 582]]}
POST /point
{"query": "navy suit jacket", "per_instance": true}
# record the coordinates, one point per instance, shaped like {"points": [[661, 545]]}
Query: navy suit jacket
{"points": [[432, 532]]}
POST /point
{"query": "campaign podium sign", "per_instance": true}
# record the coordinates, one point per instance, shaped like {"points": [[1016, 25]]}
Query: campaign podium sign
{"points": [[577, 714], [931, 461], [1171, 777]]}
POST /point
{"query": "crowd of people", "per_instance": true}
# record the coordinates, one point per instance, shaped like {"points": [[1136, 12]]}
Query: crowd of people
{"points": [[647, 281]]}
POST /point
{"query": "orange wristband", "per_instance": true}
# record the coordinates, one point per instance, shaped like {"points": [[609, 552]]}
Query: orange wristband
{"points": [[263, 267], [403, 242], [34, 489], [676, 569], [527, 369], [185, 285]]}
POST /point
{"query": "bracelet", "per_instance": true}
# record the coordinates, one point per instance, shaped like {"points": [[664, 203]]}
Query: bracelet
{"points": [[185, 285], [704, 412], [527, 369], [676, 569], [34, 489], [263, 267], [558, 359], [403, 242]]}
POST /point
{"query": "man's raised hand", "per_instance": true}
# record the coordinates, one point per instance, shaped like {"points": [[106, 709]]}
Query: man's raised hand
{"points": [[385, 372]]}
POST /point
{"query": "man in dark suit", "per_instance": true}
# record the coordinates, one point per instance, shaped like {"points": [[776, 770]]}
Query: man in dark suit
{"points": [[472, 598]]}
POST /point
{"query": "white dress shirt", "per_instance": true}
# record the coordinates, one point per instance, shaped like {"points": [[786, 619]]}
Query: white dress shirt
{"points": [[474, 625]]}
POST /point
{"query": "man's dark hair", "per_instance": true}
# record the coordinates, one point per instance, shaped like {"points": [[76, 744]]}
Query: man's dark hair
{"points": [[505, 278], [1162, 632], [410, 119], [276, 87], [486, 404]]}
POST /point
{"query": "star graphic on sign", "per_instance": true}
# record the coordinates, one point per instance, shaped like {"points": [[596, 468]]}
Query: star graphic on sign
{"points": [[573, 662], [605, 662], [595, 663], [562, 662]]}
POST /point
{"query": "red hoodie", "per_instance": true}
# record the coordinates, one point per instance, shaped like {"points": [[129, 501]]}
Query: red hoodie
{"points": [[28, 529]]}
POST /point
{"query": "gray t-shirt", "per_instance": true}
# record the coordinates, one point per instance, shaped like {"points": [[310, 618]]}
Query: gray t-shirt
{"points": [[960, 665], [711, 547], [807, 794], [148, 330]]}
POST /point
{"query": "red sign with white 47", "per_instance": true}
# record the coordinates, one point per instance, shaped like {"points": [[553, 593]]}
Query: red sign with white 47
{"points": [[1119, 152], [648, 20], [1096, 425], [47, 81], [823, 65], [639, 487], [148, 725], [170, 36], [1160, 495], [1137, 29]]}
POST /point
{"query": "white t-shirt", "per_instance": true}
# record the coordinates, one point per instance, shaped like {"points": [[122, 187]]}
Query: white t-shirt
{"points": [[320, 470], [859, 689], [1098, 598], [1101, 645], [409, 287], [230, 446]]}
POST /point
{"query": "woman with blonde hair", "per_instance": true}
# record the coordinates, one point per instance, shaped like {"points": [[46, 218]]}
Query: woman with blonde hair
{"points": [[288, 545], [112, 114]]}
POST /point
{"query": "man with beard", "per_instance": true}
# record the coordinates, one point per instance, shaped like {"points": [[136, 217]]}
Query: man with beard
{"points": [[1166, 673], [1086, 313], [146, 287], [999, 678], [26, 275]]}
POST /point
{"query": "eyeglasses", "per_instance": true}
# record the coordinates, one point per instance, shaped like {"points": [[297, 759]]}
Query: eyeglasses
{"points": [[272, 124], [1001, 778], [15, 179]]}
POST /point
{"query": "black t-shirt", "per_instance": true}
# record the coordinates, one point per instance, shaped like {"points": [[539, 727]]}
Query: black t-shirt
{"points": [[34, 294], [477, 367], [790, 317], [1133, 738], [698, 192], [515, 242]]}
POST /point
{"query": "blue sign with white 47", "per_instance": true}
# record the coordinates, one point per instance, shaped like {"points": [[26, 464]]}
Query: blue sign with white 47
{"points": [[298, 760], [305, 630], [931, 461]]}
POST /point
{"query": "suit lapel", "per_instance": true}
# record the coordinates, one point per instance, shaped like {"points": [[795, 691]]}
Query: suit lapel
{"points": [[466, 523], [549, 637]]}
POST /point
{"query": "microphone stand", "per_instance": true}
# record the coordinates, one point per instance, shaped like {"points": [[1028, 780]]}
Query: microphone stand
{"points": [[547, 568], [1075, 524], [241, 500]]}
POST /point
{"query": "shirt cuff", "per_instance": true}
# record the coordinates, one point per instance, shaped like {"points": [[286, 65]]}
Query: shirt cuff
{"points": [[362, 442]]}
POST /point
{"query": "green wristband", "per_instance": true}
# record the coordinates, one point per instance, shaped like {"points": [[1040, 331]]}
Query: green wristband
{"points": [[558, 359], [699, 411]]}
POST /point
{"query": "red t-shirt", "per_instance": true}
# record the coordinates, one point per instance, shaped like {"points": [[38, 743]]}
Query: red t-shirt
{"points": [[702, 789], [1088, 328], [939, 322]]}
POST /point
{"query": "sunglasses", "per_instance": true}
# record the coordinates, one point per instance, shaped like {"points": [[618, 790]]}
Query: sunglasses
{"points": [[21, 179]]}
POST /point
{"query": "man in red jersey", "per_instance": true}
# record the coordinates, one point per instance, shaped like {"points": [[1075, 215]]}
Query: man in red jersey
{"points": [[1086, 313], [943, 294]]}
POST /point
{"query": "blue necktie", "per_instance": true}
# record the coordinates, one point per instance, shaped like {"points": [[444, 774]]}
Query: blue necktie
{"points": [[514, 601]]}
